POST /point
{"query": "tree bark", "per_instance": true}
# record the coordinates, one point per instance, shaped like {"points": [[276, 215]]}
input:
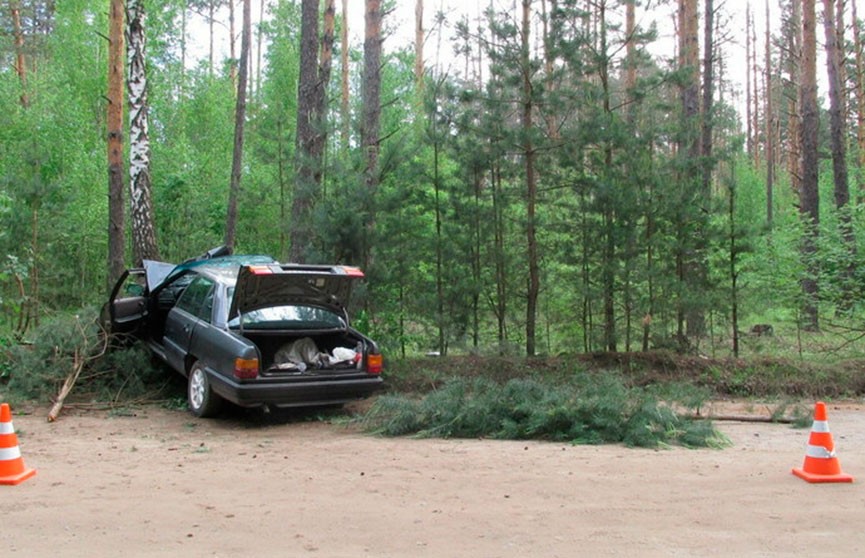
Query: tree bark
{"points": [[769, 119], [345, 115], [533, 282], [232, 44], [239, 120], [325, 68], [141, 206], [116, 228], [708, 94], [860, 100], [690, 260], [838, 135], [794, 57], [755, 113], [20, 67], [749, 132], [259, 40], [371, 97], [809, 200], [418, 44], [310, 140]]}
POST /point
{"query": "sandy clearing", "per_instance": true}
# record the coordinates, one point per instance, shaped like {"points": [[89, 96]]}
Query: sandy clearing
{"points": [[161, 483]]}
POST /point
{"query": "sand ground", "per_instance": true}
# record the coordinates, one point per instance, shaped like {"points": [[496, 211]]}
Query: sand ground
{"points": [[158, 482]]}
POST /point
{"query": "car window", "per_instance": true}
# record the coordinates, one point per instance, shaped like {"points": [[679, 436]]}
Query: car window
{"points": [[290, 316], [134, 285], [197, 299]]}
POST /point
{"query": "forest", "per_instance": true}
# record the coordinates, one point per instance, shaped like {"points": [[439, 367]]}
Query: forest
{"points": [[529, 177]]}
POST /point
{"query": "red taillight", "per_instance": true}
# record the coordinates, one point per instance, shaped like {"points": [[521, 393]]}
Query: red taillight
{"points": [[260, 270], [246, 368], [374, 363], [352, 271]]}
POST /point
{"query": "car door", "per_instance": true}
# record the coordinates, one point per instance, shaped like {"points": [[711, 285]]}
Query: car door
{"points": [[125, 311], [194, 306], [128, 305]]}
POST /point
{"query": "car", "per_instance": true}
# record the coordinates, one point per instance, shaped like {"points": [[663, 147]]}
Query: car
{"points": [[249, 330]]}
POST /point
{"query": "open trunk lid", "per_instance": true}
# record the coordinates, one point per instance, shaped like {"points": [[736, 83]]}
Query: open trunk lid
{"points": [[261, 286]]}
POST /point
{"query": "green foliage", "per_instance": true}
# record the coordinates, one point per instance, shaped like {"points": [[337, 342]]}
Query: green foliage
{"points": [[36, 370], [618, 208], [582, 411]]}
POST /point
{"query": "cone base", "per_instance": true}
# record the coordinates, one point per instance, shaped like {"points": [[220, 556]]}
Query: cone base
{"points": [[17, 479], [814, 478]]}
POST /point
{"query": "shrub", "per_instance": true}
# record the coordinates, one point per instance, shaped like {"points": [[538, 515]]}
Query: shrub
{"points": [[36, 370], [602, 410]]}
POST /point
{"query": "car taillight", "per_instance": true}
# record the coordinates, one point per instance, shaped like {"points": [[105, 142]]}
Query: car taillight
{"points": [[246, 368], [374, 363], [260, 270]]}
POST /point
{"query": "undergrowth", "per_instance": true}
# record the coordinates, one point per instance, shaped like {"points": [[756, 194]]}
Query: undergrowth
{"points": [[584, 412], [35, 370]]}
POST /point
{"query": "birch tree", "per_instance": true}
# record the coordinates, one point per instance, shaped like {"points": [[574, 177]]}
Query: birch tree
{"points": [[141, 205]]}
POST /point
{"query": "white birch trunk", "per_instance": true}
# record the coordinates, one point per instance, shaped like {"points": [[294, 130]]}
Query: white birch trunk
{"points": [[143, 234]]}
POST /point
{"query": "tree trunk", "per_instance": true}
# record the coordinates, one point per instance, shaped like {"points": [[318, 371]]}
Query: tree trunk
{"points": [[232, 45], [141, 206], [708, 95], [116, 230], [20, 67], [769, 119], [345, 115], [860, 101], [259, 39], [441, 320], [690, 260], [609, 263], [371, 97], [325, 68], [304, 190], [749, 133], [533, 283], [794, 57], [550, 85], [631, 59], [183, 28], [500, 307], [809, 200], [838, 135], [418, 44], [311, 128], [239, 120]]}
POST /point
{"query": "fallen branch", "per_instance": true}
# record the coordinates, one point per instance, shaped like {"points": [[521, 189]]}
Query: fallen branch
{"points": [[742, 418], [78, 362], [77, 366]]}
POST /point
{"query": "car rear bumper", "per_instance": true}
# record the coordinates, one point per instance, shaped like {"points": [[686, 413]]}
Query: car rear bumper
{"points": [[297, 393]]}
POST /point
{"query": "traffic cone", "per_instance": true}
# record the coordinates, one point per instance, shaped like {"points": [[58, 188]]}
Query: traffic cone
{"points": [[12, 469], [821, 464]]}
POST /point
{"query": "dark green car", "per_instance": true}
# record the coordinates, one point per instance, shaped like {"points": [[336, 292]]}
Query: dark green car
{"points": [[249, 330]]}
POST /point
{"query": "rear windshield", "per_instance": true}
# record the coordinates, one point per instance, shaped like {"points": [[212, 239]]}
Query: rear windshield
{"points": [[291, 316]]}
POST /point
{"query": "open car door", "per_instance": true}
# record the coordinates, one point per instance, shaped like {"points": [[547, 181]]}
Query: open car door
{"points": [[125, 313]]}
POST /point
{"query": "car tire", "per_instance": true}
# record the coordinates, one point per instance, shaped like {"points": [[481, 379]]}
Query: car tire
{"points": [[203, 401]]}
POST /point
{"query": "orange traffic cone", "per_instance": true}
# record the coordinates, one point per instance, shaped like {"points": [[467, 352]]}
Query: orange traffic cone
{"points": [[12, 469], [821, 464]]}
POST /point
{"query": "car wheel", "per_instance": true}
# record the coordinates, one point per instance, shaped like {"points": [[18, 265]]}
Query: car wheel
{"points": [[203, 401]]}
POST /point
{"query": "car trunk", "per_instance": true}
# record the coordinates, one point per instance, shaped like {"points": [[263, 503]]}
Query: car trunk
{"points": [[285, 354]]}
